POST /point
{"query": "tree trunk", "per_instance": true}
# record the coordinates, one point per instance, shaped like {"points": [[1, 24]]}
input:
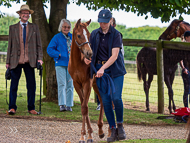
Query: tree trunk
{"points": [[57, 12]]}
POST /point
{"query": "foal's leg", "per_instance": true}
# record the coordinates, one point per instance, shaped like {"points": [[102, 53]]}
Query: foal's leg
{"points": [[90, 130], [171, 81], [100, 120], [78, 89], [170, 91], [87, 89], [146, 88], [150, 78]]}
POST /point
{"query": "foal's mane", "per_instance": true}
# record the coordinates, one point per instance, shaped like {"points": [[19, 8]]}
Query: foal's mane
{"points": [[186, 23], [178, 21]]}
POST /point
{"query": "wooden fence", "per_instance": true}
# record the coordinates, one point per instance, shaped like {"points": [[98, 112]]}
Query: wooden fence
{"points": [[159, 45]]}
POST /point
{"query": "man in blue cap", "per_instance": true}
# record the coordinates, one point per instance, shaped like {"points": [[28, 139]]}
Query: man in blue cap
{"points": [[185, 73], [106, 43]]}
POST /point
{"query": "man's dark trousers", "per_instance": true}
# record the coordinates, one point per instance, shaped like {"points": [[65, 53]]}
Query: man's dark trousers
{"points": [[30, 84]]}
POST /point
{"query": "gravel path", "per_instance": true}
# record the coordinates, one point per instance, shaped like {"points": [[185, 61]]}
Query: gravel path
{"points": [[42, 131]]}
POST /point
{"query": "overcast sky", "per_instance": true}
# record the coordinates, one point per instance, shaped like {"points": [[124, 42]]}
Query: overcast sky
{"points": [[75, 12]]}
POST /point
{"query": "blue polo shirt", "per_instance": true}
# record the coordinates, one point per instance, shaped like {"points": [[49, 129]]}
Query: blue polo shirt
{"points": [[103, 45], [118, 67]]}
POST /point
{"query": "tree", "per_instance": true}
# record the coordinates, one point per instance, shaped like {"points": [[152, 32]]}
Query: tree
{"points": [[157, 8]]}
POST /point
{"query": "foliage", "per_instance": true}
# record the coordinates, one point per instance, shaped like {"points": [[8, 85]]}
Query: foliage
{"points": [[145, 32], [4, 29], [157, 8], [5, 22]]}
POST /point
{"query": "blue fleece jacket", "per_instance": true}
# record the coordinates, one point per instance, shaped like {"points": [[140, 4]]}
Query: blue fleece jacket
{"points": [[58, 45]]}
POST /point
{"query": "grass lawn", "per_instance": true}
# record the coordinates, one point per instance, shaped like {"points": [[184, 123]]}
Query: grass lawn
{"points": [[51, 110], [133, 94], [132, 90]]}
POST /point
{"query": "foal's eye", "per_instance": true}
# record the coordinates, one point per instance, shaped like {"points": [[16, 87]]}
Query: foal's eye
{"points": [[78, 36]]}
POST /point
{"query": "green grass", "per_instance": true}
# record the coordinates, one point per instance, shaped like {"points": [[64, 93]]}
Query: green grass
{"points": [[133, 95], [132, 90], [51, 110]]}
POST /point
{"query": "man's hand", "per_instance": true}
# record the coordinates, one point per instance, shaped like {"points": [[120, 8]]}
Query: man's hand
{"points": [[40, 61], [7, 66], [87, 61]]}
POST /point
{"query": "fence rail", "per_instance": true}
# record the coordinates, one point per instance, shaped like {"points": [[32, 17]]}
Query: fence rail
{"points": [[4, 37]]}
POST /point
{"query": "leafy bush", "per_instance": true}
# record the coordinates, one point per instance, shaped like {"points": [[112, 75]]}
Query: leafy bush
{"points": [[145, 32]]}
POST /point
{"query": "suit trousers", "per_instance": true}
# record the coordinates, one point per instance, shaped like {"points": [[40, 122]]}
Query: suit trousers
{"points": [[30, 85]]}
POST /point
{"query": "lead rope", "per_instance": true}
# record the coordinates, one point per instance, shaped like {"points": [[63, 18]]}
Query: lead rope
{"points": [[110, 84]]}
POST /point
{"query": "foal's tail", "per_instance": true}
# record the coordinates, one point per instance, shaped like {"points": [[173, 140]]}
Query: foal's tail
{"points": [[139, 69]]}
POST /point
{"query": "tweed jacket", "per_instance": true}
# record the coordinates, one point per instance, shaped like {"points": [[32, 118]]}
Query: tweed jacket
{"points": [[34, 45]]}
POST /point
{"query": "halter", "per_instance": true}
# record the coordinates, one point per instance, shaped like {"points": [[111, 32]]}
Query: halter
{"points": [[80, 44], [175, 32]]}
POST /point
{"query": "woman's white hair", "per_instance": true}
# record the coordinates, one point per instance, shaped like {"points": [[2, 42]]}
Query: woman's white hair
{"points": [[62, 22]]}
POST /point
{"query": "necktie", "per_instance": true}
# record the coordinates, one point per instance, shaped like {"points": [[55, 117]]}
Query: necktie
{"points": [[24, 34]]}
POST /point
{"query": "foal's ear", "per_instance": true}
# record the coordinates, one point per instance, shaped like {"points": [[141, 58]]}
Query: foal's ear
{"points": [[78, 23], [88, 22]]}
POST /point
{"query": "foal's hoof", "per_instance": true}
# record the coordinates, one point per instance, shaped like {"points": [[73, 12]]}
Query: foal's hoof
{"points": [[147, 109], [101, 136], [81, 141], [89, 141]]}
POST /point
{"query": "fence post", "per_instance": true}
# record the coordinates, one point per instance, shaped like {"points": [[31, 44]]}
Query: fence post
{"points": [[160, 76]]}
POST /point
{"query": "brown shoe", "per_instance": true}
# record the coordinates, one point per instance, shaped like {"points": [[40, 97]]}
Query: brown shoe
{"points": [[33, 112], [11, 111]]}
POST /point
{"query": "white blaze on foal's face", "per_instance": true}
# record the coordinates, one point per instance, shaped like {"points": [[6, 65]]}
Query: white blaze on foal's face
{"points": [[85, 35]]}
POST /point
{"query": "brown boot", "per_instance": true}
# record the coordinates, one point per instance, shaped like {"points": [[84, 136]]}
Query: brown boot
{"points": [[113, 136], [11, 112], [121, 132], [33, 112]]}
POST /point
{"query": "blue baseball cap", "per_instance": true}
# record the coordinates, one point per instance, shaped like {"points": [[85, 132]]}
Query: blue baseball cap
{"points": [[186, 34], [104, 16]]}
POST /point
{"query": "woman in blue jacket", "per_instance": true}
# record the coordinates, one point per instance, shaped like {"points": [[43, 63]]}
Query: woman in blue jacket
{"points": [[59, 49]]}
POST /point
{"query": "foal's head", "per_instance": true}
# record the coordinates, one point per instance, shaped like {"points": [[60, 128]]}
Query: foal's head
{"points": [[81, 37], [172, 31]]}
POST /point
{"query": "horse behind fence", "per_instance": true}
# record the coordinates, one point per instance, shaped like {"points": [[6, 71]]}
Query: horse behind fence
{"points": [[147, 64]]}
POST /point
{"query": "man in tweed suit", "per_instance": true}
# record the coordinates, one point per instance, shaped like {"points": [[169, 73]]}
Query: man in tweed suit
{"points": [[24, 51]]}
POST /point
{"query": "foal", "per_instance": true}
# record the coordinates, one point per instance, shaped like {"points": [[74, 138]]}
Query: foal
{"points": [[80, 73]]}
